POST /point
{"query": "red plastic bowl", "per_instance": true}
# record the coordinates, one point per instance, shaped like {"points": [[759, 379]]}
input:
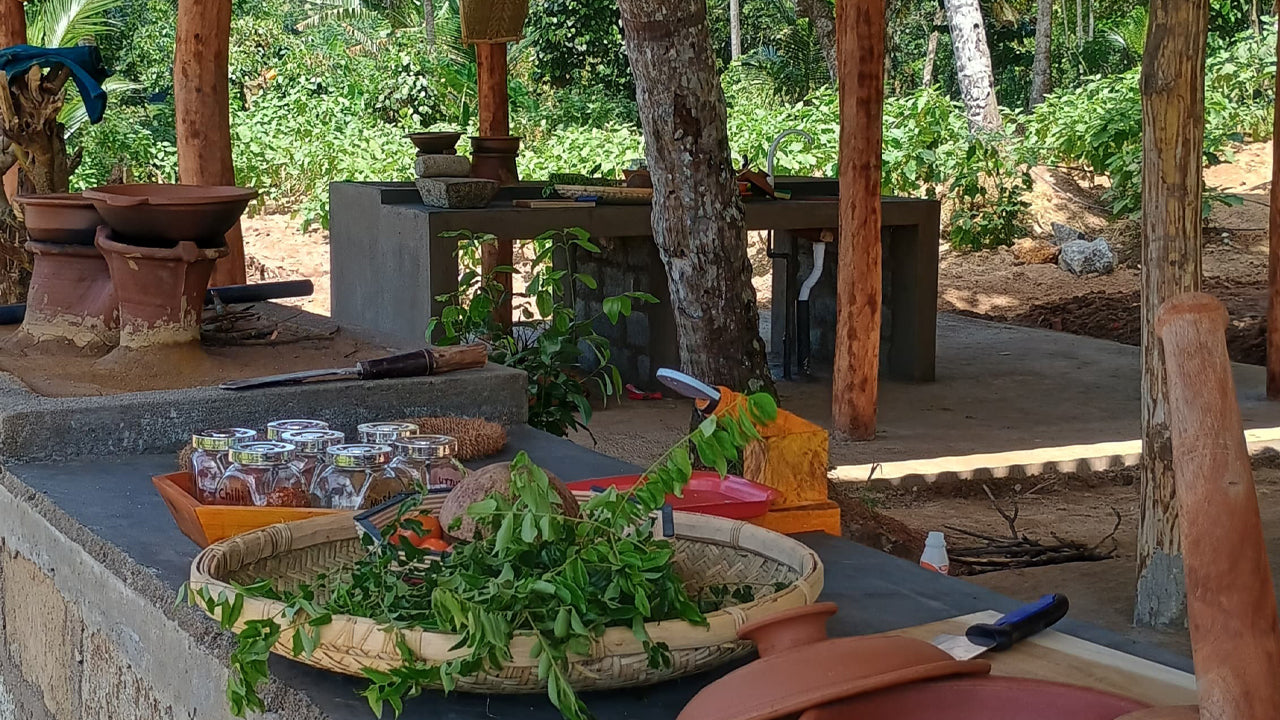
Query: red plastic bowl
{"points": [[707, 493]]}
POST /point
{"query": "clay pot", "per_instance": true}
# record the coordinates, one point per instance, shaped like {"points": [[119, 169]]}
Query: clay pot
{"points": [[496, 144], [161, 290], [435, 143], [494, 158], [162, 216], [71, 298], [60, 218]]}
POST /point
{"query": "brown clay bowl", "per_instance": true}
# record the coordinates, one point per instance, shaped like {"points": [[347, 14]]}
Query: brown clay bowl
{"points": [[496, 145], [60, 218], [435, 143], [979, 697], [163, 215]]}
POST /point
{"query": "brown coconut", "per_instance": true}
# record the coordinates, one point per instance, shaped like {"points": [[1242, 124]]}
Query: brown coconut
{"points": [[482, 483]]}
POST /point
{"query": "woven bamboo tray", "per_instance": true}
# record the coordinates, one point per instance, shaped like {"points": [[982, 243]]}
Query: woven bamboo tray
{"points": [[709, 551]]}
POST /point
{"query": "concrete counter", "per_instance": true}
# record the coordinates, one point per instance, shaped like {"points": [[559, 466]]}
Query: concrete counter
{"points": [[92, 562]]}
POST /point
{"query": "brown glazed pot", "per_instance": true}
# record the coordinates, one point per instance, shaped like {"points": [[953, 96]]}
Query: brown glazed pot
{"points": [[435, 143], [161, 290], [60, 218], [161, 215], [71, 298], [496, 144], [494, 158]]}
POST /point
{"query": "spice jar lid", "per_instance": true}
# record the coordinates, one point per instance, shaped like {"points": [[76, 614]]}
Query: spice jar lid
{"points": [[262, 452], [359, 455], [221, 439], [384, 432], [276, 427], [426, 447], [313, 442]]}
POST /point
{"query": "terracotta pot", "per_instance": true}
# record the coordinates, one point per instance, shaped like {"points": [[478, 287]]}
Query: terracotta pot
{"points": [[161, 216], [161, 290], [435, 143], [496, 144], [60, 218], [979, 698], [71, 298]]}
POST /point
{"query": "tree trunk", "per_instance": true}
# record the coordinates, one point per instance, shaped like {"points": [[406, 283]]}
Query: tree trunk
{"points": [[15, 261], [854, 382], [735, 29], [1273, 259], [202, 109], [1090, 35], [822, 18], [973, 64], [931, 50], [1172, 155], [1042, 66], [1079, 24], [429, 23], [697, 215]]}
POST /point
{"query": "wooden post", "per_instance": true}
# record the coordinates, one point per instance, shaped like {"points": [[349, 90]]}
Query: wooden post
{"points": [[1172, 156], [202, 111], [854, 383], [495, 121], [1273, 263], [13, 23]]}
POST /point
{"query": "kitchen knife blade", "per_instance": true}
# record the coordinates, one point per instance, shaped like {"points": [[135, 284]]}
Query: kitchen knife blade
{"points": [[1005, 632], [410, 364]]}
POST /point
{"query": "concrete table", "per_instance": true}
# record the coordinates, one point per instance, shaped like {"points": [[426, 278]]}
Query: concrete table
{"points": [[93, 560], [392, 258]]}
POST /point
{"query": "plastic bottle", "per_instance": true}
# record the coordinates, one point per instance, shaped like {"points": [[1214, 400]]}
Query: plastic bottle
{"points": [[935, 554]]}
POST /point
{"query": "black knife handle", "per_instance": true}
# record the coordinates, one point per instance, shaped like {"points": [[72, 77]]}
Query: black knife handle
{"points": [[410, 364], [1019, 624]]}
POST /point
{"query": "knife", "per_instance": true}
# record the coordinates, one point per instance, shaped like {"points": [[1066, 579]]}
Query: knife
{"points": [[428, 361], [1005, 632]]}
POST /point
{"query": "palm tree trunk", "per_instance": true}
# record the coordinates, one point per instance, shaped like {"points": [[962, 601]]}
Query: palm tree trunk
{"points": [[931, 50], [1042, 66], [973, 64], [735, 29], [1079, 24], [429, 22], [822, 18]]}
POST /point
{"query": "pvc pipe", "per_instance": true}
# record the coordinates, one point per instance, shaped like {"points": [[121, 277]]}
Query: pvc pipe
{"points": [[819, 253]]}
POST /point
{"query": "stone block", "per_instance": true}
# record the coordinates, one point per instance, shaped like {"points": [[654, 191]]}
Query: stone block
{"points": [[456, 192], [638, 331], [113, 690], [43, 633], [433, 166]]}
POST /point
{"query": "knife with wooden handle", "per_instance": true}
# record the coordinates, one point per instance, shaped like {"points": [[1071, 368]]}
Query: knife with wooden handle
{"points": [[428, 361]]}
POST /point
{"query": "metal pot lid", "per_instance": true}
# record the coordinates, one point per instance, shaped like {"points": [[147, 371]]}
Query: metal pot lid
{"points": [[313, 442], [221, 439], [426, 447], [384, 432], [262, 453], [276, 427], [359, 455]]}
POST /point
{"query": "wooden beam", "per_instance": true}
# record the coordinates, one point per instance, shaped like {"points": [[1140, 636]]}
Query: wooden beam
{"points": [[854, 385], [13, 23], [1172, 158], [202, 111], [495, 121], [1273, 261]]}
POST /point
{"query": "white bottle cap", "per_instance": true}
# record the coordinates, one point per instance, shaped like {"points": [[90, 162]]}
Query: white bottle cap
{"points": [[935, 538]]}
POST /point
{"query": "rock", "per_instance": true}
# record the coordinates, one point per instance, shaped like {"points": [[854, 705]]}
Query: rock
{"points": [[1034, 252], [1083, 257], [1063, 234], [456, 192], [430, 166]]}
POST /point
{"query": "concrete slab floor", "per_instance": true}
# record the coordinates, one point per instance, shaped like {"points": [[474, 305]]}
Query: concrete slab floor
{"points": [[999, 388]]}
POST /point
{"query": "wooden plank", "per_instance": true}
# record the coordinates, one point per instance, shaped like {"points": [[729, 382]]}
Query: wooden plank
{"points": [[202, 111], [860, 29], [1059, 657]]}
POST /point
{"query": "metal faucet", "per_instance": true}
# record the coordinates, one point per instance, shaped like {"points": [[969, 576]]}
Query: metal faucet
{"points": [[773, 149]]}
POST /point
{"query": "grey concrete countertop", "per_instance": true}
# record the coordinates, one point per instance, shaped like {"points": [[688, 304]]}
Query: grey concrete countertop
{"points": [[114, 499]]}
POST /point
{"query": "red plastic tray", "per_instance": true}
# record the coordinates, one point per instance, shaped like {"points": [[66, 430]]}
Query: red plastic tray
{"points": [[707, 493]]}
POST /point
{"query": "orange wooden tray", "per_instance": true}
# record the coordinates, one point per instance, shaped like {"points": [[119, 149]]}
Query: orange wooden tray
{"points": [[207, 524]]}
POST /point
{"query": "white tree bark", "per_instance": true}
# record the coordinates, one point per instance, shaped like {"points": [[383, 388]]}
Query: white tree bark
{"points": [[822, 18], [429, 22], [1043, 63], [931, 50], [735, 29], [973, 64]]}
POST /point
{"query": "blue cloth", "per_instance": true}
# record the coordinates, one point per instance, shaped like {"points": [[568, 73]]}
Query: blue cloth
{"points": [[84, 61]]}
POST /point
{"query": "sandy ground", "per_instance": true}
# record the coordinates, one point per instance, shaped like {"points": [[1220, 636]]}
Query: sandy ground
{"points": [[277, 249]]}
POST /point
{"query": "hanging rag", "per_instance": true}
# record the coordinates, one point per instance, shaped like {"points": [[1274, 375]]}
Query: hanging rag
{"points": [[84, 61]]}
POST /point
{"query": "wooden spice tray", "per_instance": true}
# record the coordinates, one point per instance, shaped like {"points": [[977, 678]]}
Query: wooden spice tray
{"points": [[207, 524]]}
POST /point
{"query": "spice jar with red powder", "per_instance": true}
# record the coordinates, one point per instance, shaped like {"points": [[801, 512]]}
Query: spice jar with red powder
{"points": [[209, 458], [263, 473], [311, 445]]}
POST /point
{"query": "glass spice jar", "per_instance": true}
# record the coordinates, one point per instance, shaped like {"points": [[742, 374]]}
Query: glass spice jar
{"points": [[262, 473], [209, 458], [311, 445], [358, 476], [385, 433], [276, 428], [432, 460]]}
